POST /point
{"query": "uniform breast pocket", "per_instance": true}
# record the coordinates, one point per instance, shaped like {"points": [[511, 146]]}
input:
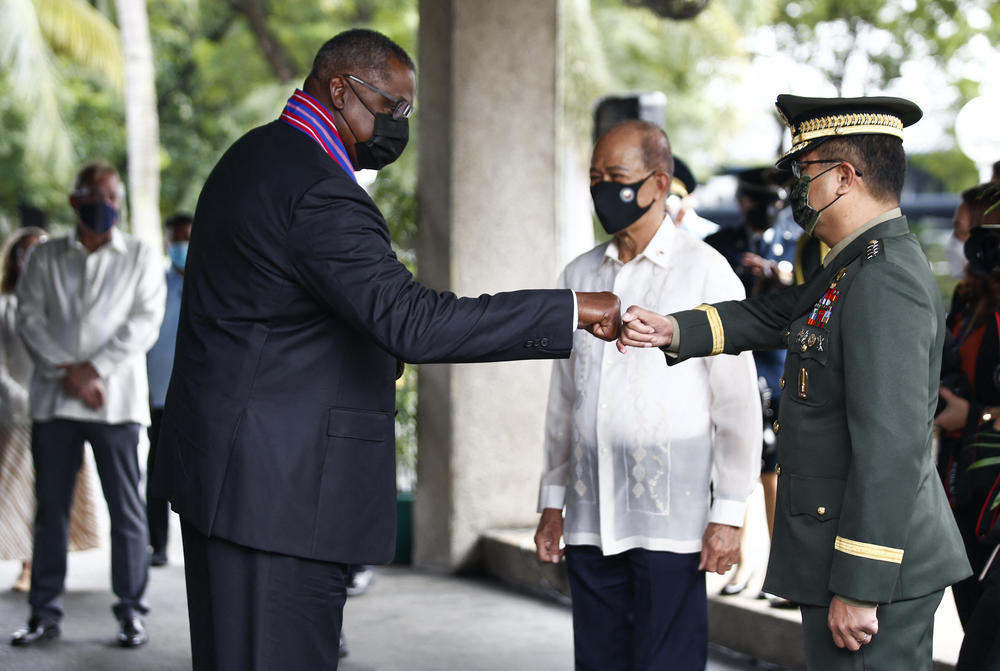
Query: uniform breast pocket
{"points": [[806, 370]]}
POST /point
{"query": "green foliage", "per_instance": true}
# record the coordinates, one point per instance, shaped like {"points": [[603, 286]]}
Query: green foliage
{"points": [[617, 49], [214, 84], [43, 43], [831, 34], [406, 430], [12, 173], [952, 168], [395, 191], [84, 35]]}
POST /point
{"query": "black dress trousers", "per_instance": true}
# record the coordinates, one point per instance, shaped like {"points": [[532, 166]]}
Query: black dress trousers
{"points": [[157, 507], [252, 610]]}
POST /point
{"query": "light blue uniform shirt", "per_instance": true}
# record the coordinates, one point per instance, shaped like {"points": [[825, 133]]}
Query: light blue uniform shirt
{"points": [[160, 359]]}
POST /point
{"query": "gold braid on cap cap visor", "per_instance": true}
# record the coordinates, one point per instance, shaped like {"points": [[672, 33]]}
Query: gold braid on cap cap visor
{"points": [[848, 124], [842, 124]]}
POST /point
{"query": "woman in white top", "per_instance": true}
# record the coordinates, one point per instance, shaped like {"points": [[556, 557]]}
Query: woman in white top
{"points": [[17, 474]]}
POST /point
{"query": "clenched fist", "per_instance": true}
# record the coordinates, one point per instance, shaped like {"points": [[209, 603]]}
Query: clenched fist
{"points": [[600, 313]]}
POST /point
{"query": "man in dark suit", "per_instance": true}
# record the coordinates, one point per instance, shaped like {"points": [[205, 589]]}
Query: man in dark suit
{"points": [[277, 445]]}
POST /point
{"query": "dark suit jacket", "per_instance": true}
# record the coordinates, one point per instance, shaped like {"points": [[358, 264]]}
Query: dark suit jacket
{"points": [[278, 430]]}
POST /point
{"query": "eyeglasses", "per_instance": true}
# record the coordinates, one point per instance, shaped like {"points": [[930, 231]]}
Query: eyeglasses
{"points": [[797, 165], [401, 109]]}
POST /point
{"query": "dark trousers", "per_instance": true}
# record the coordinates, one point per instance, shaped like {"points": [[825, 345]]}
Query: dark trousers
{"points": [[157, 509], [904, 640], [57, 448], [252, 610], [636, 611]]}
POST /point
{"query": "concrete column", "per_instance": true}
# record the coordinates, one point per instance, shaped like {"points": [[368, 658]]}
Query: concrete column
{"points": [[487, 87]]}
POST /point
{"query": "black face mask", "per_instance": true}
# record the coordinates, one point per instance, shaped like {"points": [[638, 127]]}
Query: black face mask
{"points": [[98, 217], [386, 144], [616, 204]]}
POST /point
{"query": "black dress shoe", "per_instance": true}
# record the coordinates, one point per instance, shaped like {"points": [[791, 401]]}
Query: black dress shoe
{"points": [[158, 558], [782, 602], [132, 633], [35, 632]]}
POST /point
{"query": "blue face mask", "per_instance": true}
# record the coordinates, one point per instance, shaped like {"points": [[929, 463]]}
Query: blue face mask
{"points": [[98, 217], [178, 251]]}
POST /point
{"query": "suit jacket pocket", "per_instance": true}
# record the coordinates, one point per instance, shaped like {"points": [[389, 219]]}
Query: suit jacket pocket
{"points": [[370, 425], [356, 519], [820, 498]]}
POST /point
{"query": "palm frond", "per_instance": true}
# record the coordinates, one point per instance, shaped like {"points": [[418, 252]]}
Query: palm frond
{"points": [[87, 36], [28, 64], [983, 463], [985, 444], [992, 192]]}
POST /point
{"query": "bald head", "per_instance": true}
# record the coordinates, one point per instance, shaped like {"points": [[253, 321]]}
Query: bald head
{"points": [[645, 140]]}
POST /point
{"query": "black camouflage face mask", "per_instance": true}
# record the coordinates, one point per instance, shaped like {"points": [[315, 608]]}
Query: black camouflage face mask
{"points": [[804, 214]]}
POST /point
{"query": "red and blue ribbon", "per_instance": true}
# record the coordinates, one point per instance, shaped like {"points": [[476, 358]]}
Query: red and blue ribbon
{"points": [[306, 114]]}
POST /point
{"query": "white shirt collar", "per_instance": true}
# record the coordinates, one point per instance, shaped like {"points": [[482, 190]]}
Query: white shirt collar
{"points": [[117, 242], [658, 249]]}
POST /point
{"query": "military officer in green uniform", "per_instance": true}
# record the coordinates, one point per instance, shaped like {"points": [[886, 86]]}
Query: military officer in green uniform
{"points": [[863, 537]]}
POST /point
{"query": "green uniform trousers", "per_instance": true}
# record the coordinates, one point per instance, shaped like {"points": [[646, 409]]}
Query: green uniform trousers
{"points": [[904, 641]]}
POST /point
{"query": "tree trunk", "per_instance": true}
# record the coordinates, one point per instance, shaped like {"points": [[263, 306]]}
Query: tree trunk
{"points": [[274, 53], [141, 122]]}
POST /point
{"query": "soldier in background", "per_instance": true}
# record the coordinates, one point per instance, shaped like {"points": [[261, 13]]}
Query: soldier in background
{"points": [[680, 203], [761, 252]]}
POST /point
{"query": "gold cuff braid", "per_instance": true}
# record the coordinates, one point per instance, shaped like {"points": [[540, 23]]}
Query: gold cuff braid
{"points": [[715, 324], [868, 550]]}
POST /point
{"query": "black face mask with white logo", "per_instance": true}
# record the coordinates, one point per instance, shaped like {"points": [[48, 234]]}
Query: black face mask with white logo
{"points": [[616, 204]]}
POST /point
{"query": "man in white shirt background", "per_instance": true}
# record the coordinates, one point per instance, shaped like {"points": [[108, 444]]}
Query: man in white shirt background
{"points": [[653, 465], [89, 307]]}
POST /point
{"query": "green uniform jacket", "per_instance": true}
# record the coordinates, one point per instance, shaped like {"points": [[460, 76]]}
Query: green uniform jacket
{"points": [[860, 512]]}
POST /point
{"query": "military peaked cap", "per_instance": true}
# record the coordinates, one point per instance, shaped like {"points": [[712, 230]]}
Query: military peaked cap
{"points": [[764, 183], [812, 121], [683, 181]]}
